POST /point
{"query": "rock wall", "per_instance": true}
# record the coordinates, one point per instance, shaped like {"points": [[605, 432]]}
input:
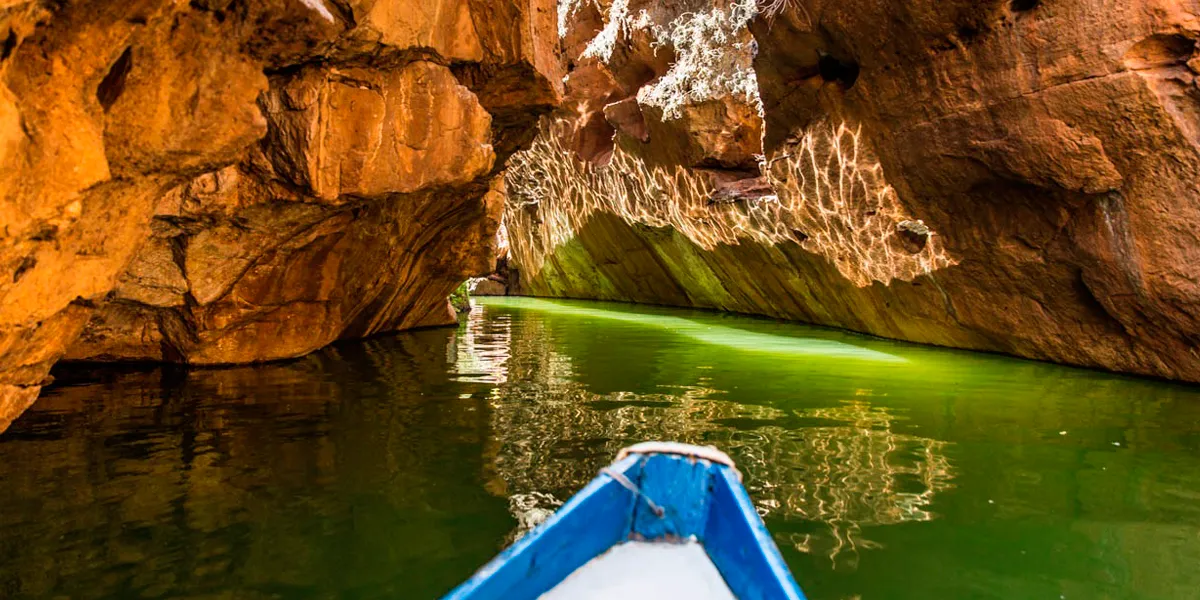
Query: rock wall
{"points": [[233, 181], [230, 181], [1018, 177]]}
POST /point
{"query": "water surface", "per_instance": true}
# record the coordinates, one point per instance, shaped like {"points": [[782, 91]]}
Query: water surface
{"points": [[393, 468]]}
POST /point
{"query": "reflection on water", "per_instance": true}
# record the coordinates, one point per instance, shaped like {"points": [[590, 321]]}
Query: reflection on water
{"points": [[530, 510], [847, 471], [325, 477], [393, 468], [854, 475]]}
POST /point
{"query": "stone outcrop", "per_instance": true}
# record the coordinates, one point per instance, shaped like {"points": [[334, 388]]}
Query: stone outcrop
{"points": [[1018, 177], [217, 182]]}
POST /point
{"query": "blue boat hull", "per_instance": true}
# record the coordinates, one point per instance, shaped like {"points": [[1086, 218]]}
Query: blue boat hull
{"points": [[647, 495]]}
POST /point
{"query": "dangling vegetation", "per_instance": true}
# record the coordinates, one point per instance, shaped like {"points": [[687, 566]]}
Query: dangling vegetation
{"points": [[460, 298]]}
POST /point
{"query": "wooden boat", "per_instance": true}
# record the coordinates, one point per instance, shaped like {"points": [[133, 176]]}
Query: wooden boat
{"points": [[664, 521]]}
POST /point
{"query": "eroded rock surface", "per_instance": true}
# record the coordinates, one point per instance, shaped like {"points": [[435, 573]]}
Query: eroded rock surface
{"points": [[215, 182], [1024, 176], [218, 182]]}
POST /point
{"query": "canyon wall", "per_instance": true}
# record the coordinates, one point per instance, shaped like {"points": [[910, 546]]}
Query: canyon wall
{"points": [[1011, 176], [227, 181]]}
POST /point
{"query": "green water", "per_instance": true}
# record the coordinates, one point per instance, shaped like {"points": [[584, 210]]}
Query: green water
{"points": [[393, 468]]}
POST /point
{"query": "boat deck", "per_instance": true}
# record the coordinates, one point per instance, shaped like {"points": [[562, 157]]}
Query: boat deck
{"points": [[645, 571]]}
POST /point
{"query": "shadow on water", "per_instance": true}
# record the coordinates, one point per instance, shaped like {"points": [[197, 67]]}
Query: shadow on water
{"points": [[394, 467], [325, 475]]}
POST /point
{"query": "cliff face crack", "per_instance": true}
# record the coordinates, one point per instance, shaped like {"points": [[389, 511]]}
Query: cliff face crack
{"points": [[1002, 102], [113, 84], [26, 264], [835, 70], [10, 43], [1091, 299], [1122, 242]]}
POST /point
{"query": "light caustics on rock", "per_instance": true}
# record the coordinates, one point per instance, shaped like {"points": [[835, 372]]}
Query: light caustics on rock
{"points": [[829, 196]]}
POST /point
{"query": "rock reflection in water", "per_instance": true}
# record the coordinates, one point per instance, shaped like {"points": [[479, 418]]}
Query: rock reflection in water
{"points": [[846, 470], [394, 468], [330, 476], [845, 476], [530, 510]]}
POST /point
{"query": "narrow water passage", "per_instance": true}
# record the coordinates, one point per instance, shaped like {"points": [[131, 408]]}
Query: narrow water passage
{"points": [[393, 468]]}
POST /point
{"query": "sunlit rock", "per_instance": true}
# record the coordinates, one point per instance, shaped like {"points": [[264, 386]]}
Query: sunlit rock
{"points": [[362, 133], [214, 183], [976, 175]]}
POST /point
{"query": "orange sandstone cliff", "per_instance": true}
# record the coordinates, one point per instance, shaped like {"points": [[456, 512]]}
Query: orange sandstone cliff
{"points": [[227, 181], [230, 181], [1013, 176]]}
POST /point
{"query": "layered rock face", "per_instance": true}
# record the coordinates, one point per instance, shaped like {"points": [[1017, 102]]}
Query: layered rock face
{"points": [[1019, 177], [215, 182]]}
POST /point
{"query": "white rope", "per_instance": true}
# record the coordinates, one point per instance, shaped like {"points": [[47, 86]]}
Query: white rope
{"points": [[631, 486]]}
